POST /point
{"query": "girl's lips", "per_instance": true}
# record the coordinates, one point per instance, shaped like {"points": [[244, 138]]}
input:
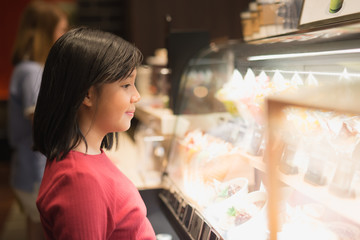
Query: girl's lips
{"points": [[130, 113]]}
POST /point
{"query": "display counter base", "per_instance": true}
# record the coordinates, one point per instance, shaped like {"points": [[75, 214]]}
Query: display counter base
{"points": [[170, 213], [160, 217]]}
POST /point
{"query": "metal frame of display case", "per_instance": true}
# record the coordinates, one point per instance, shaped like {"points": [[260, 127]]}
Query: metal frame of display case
{"points": [[192, 223]]}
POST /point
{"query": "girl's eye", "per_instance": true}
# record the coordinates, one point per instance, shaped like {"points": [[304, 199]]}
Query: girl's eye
{"points": [[126, 85]]}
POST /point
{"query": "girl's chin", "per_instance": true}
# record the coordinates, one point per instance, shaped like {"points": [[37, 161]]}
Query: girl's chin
{"points": [[124, 128]]}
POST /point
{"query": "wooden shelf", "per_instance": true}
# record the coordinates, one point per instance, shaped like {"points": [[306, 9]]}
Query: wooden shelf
{"points": [[346, 207], [257, 162]]}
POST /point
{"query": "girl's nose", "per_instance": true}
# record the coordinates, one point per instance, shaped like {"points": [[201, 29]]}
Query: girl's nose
{"points": [[136, 97]]}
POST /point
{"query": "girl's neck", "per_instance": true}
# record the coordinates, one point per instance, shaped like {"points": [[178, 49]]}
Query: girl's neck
{"points": [[92, 134], [89, 150]]}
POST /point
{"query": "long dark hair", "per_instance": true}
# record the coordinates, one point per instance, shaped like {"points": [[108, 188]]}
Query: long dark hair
{"points": [[35, 35], [80, 59]]}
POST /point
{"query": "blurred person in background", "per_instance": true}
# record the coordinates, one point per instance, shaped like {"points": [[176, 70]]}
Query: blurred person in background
{"points": [[41, 25]]}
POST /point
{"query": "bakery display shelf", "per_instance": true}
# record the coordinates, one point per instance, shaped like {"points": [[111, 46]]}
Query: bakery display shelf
{"points": [[234, 95], [347, 207], [343, 98], [255, 161], [309, 98]]}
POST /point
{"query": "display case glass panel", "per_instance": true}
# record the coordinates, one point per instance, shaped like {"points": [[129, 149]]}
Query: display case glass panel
{"points": [[313, 149], [216, 165]]}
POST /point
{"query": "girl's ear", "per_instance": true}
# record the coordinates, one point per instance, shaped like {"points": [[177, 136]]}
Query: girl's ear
{"points": [[89, 99]]}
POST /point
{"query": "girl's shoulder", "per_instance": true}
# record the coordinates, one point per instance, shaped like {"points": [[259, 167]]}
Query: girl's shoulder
{"points": [[79, 162], [74, 168]]}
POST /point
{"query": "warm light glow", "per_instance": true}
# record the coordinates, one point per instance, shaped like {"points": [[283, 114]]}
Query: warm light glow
{"points": [[249, 76], [236, 76], [339, 74], [298, 55], [345, 75], [296, 80], [165, 71], [279, 81], [200, 91], [154, 138], [262, 77]]}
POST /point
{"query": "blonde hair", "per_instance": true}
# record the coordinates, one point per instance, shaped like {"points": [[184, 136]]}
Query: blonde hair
{"points": [[35, 35]]}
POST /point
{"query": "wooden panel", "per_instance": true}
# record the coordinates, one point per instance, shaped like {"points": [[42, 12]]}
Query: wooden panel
{"points": [[148, 26]]}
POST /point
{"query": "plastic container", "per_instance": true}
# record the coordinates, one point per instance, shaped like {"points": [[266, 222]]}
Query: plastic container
{"points": [[254, 204], [232, 190]]}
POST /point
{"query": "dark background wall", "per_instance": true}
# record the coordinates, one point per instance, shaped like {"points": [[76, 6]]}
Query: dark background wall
{"points": [[9, 20], [148, 26], [139, 21]]}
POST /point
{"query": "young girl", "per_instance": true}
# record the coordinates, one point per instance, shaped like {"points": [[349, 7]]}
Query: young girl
{"points": [[87, 93], [41, 25]]}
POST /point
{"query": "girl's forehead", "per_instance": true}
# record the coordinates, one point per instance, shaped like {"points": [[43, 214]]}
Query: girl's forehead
{"points": [[133, 73]]}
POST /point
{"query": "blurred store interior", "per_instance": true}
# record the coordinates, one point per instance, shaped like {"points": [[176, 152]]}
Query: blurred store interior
{"points": [[248, 122], [147, 24]]}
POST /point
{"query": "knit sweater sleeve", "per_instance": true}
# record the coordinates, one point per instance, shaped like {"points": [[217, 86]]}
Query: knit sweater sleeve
{"points": [[77, 208]]}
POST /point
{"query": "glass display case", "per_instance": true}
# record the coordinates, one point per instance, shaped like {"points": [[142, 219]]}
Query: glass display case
{"points": [[266, 141], [313, 149]]}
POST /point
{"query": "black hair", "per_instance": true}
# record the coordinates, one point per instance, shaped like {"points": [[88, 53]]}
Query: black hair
{"points": [[78, 60]]}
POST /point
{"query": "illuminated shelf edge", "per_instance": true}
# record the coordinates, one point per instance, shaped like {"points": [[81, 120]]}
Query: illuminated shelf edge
{"points": [[349, 206]]}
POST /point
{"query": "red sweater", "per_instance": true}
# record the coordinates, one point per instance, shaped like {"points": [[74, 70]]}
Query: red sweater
{"points": [[87, 197]]}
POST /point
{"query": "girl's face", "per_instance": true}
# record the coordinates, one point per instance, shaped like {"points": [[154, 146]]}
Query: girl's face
{"points": [[116, 105]]}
